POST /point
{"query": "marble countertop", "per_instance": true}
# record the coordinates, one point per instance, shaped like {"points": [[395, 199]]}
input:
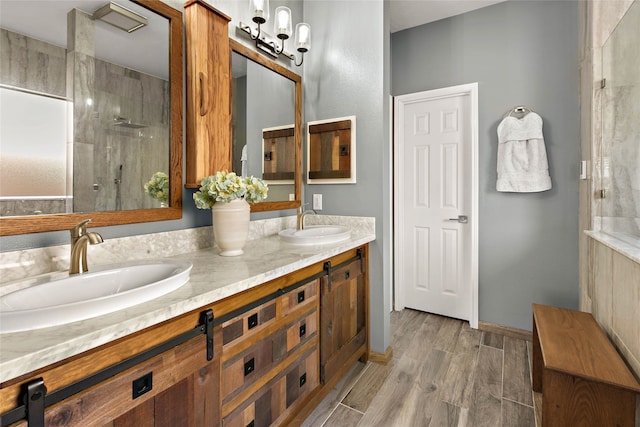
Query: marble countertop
{"points": [[212, 278], [625, 244]]}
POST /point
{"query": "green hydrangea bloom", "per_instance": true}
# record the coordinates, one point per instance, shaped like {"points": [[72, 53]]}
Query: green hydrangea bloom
{"points": [[227, 186], [158, 186]]}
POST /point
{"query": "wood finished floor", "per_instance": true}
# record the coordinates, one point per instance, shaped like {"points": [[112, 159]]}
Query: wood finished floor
{"points": [[443, 373]]}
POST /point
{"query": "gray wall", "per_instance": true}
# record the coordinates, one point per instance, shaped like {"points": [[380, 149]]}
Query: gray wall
{"points": [[344, 75], [520, 52]]}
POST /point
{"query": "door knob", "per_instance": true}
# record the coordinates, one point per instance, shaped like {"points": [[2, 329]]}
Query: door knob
{"points": [[462, 219]]}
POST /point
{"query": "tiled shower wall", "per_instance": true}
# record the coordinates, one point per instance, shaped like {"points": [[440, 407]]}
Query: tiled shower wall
{"points": [[616, 299], [113, 162], [144, 100], [32, 64]]}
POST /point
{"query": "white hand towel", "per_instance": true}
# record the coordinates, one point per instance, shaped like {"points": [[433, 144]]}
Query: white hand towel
{"points": [[522, 156], [243, 161]]}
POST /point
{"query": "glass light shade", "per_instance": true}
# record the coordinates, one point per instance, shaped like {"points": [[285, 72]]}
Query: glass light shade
{"points": [[303, 37], [259, 11], [282, 25]]}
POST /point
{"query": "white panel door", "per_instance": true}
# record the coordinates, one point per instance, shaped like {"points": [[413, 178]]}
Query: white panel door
{"points": [[434, 201]]}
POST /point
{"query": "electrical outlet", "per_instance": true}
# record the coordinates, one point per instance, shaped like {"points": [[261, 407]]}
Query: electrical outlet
{"points": [[317, 202], [292, 197]]}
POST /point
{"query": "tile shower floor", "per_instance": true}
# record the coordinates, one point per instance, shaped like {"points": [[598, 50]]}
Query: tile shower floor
{"points": [[443, 373]]}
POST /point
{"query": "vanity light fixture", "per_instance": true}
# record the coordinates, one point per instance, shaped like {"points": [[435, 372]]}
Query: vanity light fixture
{"points": [[120, 17], [282, 28]]}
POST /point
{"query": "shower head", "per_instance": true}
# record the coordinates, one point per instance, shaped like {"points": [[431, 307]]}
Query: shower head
{"points": [[126, 123], [120, 17]]}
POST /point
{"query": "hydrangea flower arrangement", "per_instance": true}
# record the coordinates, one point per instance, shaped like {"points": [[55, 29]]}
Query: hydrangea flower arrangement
{"points": [[158, 187], [227, 186]]}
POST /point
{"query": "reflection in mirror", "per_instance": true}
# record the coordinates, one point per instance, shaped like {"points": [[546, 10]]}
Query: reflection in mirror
{"points": [[90, 113], [35, 154], [266, 121], [119, 121], [262, 100]]}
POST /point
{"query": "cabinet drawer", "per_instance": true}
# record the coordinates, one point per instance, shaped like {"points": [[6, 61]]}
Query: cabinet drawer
{"points": [[304, 295], [271, 404], [242, 370], [248, 324]]}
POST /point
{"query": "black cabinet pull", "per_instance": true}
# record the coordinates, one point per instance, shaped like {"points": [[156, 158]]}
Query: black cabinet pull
{"points": [[303, 379], [142, 385], [300, 296], [249, 366], [347, 275], [252, 321], [303, 330]]}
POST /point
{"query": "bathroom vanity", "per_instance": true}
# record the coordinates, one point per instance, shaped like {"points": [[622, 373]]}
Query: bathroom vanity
{"points": [[252, 340]]}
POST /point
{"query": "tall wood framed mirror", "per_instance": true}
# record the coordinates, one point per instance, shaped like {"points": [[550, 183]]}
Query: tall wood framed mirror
{"points": [[267, 126], [120, 117]]}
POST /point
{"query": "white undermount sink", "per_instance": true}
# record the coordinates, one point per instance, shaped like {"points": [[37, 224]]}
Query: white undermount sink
{"points": [[51, 302], [316, 235]]}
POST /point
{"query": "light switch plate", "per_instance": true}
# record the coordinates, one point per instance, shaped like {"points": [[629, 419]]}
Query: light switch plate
{"points": [[317, 202]]}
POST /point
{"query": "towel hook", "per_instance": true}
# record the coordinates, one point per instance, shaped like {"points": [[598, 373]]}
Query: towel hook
{"points": [[519, 109]]}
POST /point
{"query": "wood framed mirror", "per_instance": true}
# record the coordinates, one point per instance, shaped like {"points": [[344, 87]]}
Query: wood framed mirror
{"points": [[266, 138], [141, 138]]}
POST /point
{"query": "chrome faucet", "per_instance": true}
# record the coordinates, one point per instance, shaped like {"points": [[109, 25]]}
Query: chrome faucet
{"points": [[79, 239], [300, 217]]}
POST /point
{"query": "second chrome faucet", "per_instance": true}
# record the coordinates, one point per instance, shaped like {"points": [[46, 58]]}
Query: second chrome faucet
{"points": [[80, 237]]}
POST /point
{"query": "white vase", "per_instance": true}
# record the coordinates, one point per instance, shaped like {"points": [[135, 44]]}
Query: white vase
{"points": [[231, 226]]}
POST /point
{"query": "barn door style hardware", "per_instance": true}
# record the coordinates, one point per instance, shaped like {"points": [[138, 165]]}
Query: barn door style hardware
{"points": [[36, 399]]}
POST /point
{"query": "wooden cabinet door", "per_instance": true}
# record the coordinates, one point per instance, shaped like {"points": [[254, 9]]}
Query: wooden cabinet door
{"points": [[342, 317], [181, 389], [172, 407], [192, 402], [208, 92]]}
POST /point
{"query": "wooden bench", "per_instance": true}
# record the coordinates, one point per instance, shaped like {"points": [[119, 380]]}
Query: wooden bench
{"points": [[583, 379]]}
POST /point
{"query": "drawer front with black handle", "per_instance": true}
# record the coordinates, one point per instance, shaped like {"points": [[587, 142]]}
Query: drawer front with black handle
{"points": [[306, 294], [248, 323], [241, 370], [275, 400]]}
